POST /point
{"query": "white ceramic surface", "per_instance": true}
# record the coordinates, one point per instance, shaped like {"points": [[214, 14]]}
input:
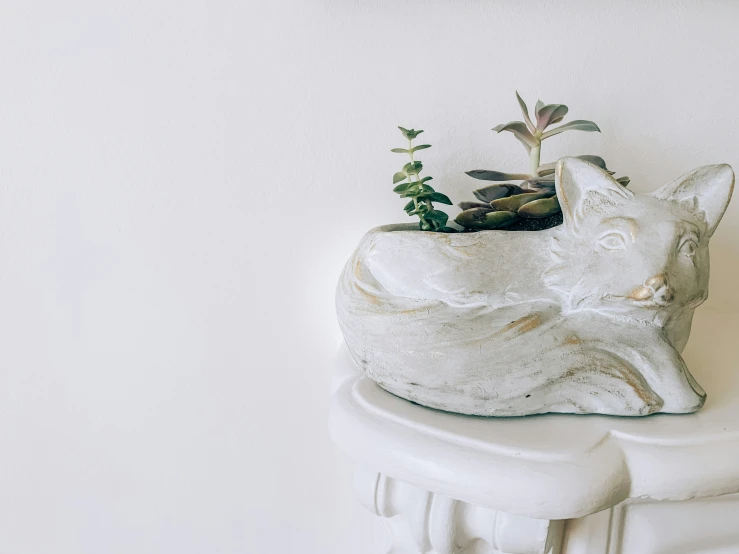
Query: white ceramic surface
{"points": [[556, 484], [557, 466], [587, 317]]}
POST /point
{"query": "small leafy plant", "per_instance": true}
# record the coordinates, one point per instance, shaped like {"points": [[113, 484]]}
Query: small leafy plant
{"points": [[421, 194], [532, 203]]}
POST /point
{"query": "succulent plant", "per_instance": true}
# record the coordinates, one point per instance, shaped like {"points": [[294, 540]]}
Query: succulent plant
{"points": [[532, 202], [421, 194]]}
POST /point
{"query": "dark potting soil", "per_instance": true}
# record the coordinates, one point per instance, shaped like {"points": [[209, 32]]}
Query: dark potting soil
{"points": [[530, 224], [538, 224]]}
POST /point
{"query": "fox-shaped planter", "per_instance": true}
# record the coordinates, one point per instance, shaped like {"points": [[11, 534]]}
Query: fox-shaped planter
{"points": [[587, 317]]}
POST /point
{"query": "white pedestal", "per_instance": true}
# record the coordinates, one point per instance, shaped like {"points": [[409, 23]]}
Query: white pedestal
{"points": [[552, 484]]}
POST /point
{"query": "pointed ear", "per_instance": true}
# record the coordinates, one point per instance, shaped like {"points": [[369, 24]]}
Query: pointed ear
{"points": [[584, 188], [706, 191]]}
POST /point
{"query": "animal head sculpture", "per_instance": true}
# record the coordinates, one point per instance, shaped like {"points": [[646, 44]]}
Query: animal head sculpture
{"points": [[643, 256]]}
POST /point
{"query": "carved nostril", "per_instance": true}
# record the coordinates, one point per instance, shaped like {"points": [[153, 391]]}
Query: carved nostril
{"points": [[661, 287], [655, 287], [665, 293]]}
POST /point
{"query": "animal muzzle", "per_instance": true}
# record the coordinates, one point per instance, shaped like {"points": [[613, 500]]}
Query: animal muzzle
{"points": [[655, 290]]}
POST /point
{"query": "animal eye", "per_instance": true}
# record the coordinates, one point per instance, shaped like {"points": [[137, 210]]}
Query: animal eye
{"points": [[688, 248], [612, 241]]}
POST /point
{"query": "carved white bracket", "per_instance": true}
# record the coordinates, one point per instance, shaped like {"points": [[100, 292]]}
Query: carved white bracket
{"points": [[422, 522], [703, 526]]}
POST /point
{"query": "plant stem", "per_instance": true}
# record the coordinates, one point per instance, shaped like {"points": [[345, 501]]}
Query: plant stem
{"points": [[535, 159], [410, 154], [418, 178]]}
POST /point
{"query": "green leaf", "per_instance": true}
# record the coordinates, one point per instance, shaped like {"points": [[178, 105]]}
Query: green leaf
{"points": [[519, 129], [525, 145], [540, 179], [540, 208], [539, 105], [410, 134], [493, 192], [413, 168], [514, 203], [595, 160], [471, 217], [490, 175], [469, 205], [577, 125], [437, 215], [403, 187], [409, 206], [548, 169], [545, 182], [399, 150], [499, 220], [424, 179], [623, 181], [399, 176], [525, 111], [420, 147], [546, 115], [482, 218], [417, 190], [545, 169], [440, 198]]}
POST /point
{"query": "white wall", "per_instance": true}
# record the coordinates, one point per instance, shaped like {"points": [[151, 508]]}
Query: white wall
{"points": [[180, 184]]}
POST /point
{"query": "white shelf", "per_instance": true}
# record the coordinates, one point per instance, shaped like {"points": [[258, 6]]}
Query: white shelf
{"points": [[554, 466]]}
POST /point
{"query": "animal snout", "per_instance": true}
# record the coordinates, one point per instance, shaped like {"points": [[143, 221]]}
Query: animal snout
{"points": [[657, 289]]}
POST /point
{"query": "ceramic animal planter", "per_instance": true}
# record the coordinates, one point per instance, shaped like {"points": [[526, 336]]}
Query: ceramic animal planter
{"points": [[586, 317]]}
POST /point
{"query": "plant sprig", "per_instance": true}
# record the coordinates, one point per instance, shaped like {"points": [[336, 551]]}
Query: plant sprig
{"points": [[421, 194], [531, 136], [507, 205]]}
